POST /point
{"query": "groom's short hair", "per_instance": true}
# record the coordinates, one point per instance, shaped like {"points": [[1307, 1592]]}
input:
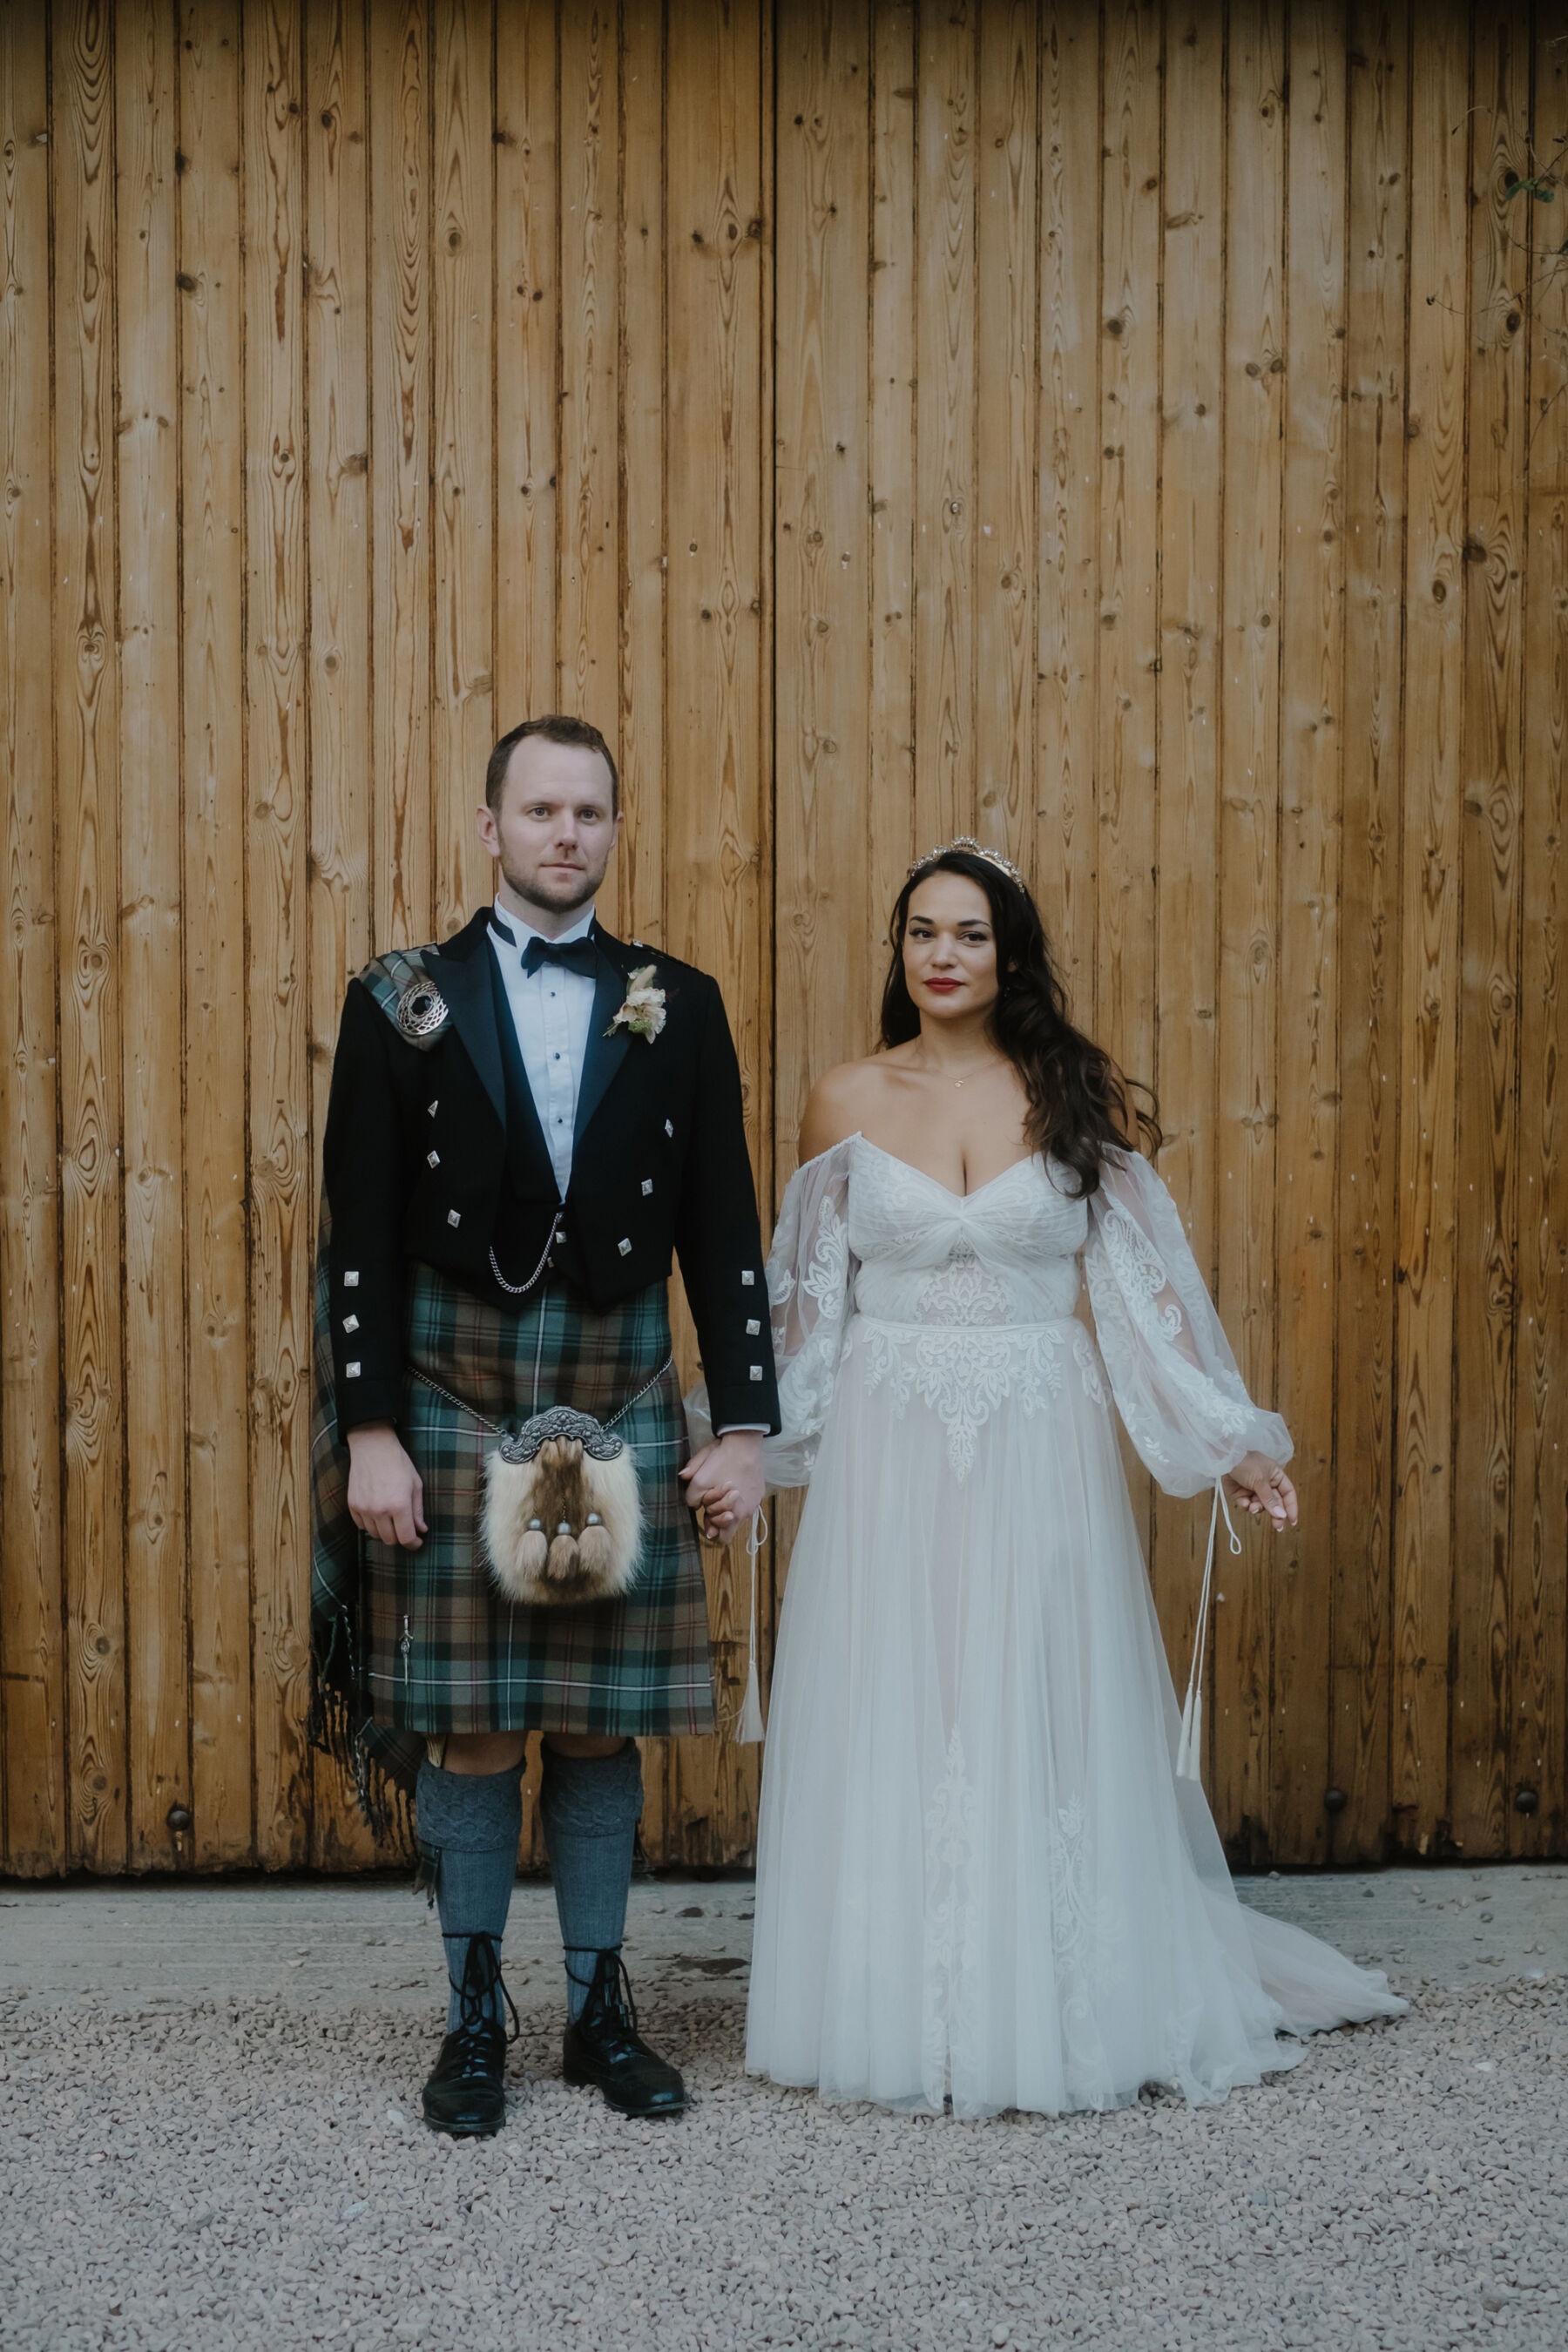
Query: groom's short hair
{"points": [[555, 728]]}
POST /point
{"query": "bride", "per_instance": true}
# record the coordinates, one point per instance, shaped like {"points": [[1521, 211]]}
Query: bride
{"points": [[985, 1868]]}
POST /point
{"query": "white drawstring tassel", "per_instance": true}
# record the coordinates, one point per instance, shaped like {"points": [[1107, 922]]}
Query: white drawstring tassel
{"points": [[1189, 1751], [748, 1729]]}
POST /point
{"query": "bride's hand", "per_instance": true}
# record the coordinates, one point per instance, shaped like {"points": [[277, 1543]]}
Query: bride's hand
{"points": [[1260, 1485], [724, 1482]]}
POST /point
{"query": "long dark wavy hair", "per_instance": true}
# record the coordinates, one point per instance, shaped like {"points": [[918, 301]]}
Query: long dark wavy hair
{"points": [[1080, 1103]]}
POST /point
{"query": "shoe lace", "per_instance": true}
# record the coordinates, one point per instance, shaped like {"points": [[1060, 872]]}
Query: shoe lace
{"points": [[610, 1998], [481, 1979]]}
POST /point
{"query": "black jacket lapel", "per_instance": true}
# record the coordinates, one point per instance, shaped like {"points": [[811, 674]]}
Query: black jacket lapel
{"points": [[608, 1047], [461, 970]]}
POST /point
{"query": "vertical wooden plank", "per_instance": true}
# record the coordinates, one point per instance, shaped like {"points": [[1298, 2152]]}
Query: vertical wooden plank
{"points": [[715, 431], [944, 410], [1065, 843], [1128, 558], [150, 958], [891, 838], [1007, 159], [33, 1826], [1187, 814], [343, 888], [1438, 340], [1129, 534], [282, 1208], [87, 733], [1254, 396], [1358, 1591], [463, 700], [827, 964], [528, 327], [399, 195], [1487, 1187], [1539, 1714], [212, 454], [589, 497], [642, 537], [645, 569], [1308, 1093]]}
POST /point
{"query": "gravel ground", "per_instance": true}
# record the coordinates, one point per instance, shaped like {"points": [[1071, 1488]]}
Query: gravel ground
{"points": [[247, 2175], [250, 2171]]}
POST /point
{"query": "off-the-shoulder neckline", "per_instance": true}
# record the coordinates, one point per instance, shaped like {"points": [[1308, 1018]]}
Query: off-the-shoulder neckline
{"points": [[1030, 1159]]}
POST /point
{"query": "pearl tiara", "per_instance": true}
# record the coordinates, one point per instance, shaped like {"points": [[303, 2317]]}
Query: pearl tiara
{"points": [[972, 849]]}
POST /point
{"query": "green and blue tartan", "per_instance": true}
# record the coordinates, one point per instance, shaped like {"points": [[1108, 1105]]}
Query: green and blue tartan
{"points": [[408, 1643]]}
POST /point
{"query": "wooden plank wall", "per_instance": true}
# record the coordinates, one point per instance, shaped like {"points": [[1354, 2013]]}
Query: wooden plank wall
{"points": [[1134, 432]]}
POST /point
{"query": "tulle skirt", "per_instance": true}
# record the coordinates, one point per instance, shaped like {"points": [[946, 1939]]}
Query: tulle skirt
{"points": [[979, 1877]]}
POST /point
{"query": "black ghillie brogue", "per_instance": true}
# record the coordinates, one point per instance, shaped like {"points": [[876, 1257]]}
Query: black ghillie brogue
{"points": [[466, 2094], [602, 2047]]}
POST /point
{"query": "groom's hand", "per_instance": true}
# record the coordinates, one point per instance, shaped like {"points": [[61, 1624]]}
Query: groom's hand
{"points": [[386, 1494], [724, 1482]]}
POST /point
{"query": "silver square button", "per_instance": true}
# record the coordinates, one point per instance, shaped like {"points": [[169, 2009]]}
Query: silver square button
{"points": [[646, 1186], [748, 1279], [756, 1372], [433, 1109], [753, 1327], [454, 1216], [351, 1322], [350, 1279], [433, 1159], [353, 1372], [669, 1128], [625, 1248]]}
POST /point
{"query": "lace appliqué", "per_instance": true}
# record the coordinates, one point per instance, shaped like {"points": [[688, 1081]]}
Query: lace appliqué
{"points": [[1085, 1938], [950, 1844], [1126, 1311], [964, 1374], [807, 1345], [962, 1292]]}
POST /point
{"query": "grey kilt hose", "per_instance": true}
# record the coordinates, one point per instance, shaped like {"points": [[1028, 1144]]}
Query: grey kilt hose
{"points": [[444, 1650]]}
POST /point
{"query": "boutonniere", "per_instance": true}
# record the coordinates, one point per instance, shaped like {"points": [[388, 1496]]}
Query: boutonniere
{"points": [[642, 1014]]}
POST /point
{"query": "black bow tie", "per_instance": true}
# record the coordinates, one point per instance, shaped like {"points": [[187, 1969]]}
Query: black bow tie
{"points": [[571, 955]]}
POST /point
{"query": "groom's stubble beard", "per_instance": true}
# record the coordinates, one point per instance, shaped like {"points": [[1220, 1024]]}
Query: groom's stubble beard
{"points": [[560, 900]]}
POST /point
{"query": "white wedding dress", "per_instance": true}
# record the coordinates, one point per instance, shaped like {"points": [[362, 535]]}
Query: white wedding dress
{"points": [[979, 1874]]}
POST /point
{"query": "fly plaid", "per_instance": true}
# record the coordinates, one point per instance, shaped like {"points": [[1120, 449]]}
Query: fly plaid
{"points": [[408, 1643]]}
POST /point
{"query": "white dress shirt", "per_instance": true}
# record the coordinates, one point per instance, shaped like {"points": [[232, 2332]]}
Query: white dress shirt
{"points": [[552, 1012]]}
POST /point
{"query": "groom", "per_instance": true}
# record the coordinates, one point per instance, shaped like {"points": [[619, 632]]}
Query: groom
{"points": [[513, 1151]]}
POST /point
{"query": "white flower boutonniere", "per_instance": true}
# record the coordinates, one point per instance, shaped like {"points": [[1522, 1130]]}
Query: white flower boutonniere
{"points": [[642, 1014]]}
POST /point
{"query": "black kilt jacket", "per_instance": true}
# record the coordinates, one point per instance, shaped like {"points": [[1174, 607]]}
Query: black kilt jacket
{"points": [[434, 1151]]}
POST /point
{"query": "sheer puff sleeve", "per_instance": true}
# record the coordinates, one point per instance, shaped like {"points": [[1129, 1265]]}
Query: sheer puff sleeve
{"points": [[811, 1280], [1172, 1371]]}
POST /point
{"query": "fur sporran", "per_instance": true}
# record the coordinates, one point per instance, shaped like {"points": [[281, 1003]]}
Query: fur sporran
{"points": [[562, 1513]]}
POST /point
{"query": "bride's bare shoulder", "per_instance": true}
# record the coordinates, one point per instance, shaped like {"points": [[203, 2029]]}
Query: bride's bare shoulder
{"points": [[842, 1102]]}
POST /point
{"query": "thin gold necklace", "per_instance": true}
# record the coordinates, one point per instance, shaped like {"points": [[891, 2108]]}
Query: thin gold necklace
{"points": [[989, 1064]]}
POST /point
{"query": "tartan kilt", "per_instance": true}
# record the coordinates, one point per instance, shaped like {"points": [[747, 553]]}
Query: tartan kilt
{"points": [[443, 1650]]}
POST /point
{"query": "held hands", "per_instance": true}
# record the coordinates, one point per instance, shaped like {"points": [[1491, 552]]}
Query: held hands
{"points": [[724, 1484], [1260, 1486], [387, 1493]]}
